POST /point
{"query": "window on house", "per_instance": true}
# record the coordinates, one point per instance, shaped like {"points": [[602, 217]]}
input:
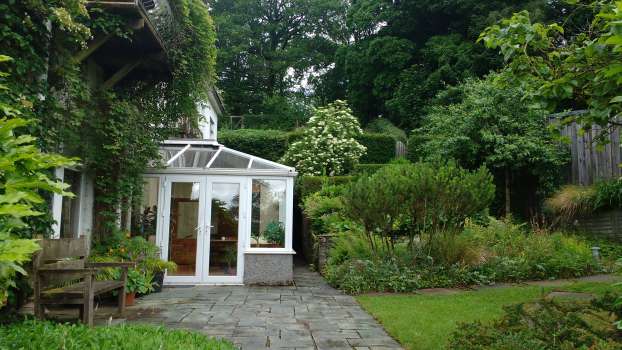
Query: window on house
{"points": [[268, 214], [148, 211], [70, 212]]}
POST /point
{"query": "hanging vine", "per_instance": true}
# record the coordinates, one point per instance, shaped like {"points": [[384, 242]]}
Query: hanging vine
{"points": [[115, 133]]}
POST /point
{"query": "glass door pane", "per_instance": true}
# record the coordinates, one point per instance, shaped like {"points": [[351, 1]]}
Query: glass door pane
{"points": [[223, 254], [184, 227]]}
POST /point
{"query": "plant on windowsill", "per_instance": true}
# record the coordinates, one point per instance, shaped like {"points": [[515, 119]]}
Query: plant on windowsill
{"points": [[274, 234]]}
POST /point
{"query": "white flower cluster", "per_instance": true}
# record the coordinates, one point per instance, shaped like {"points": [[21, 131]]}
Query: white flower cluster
{"points": [[328, 146]]}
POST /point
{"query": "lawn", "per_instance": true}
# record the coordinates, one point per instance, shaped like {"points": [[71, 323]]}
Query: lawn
{"points": [[425, 321]]}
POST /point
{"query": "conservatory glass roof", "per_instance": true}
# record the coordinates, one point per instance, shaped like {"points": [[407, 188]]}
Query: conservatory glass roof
{"points": [[213, 156]]}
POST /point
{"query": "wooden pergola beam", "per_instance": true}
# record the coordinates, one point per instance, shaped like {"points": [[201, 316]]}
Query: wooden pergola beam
{"points": [[121, 73], [93, 46]]}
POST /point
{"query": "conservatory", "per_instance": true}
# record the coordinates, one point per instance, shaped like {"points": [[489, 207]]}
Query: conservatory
{"points": [[223, 216]]}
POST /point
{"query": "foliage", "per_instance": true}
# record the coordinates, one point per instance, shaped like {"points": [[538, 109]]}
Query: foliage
{"points": [[367, 169], [513, 254], [492, 127], [380, 148], [266, 48], [268, 144], [418, 198], [328, 146], [546, 324], [573, 201], [384, 126], [582, 74], [122, 247], [274, 233], [24, 178], [32, 334], [307, 185], [480, 255], [114, 132], [424, 321], [139, 282]]}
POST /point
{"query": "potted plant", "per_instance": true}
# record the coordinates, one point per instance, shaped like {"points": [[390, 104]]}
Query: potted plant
{"points": [[137, 283], [158, 267], [274, 234], [230, 256]]}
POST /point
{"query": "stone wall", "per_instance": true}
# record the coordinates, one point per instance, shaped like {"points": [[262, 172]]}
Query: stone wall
{"points": [[268, 269]]}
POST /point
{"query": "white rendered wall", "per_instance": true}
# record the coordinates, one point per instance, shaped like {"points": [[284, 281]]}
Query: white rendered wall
{"points": [[208, 122]]}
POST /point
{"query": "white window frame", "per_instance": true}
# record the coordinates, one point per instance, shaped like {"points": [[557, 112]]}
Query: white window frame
{"points": [[289, 212]]}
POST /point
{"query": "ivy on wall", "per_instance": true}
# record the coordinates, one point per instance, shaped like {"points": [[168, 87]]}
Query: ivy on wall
{"points": [[115, 133]]}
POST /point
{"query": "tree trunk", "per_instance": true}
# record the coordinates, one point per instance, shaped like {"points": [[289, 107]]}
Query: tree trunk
{"points": [[508, 180]]}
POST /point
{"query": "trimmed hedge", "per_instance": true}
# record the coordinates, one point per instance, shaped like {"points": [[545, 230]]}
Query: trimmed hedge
{"points": [[272, 144], [268, 144], [380, 148]]}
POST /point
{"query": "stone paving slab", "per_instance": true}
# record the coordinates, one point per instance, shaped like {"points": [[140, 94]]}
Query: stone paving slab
{"points": [[308, 315]]}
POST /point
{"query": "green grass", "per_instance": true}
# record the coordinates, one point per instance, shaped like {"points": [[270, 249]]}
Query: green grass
{"points": [[39, 335], [426, 321]]}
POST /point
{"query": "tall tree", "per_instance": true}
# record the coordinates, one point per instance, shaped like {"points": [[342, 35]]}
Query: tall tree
{"points": [[266, 46]]}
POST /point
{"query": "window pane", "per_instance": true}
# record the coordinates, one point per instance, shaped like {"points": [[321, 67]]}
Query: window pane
{"points": [[184, 222], [148, 211], [227, 160], [268, 214], [224, 232], [70, 214], [257, 164]]}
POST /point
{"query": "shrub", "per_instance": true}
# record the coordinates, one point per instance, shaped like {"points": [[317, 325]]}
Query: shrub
{"points": [[513, 254], [424, 198], [307, 185], [268, 144], [367, 169], [37, 335], [545, 324], [380, 148], [328, 146]]}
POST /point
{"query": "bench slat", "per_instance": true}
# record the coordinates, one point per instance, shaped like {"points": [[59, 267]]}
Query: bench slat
{"points": [[77, 289]]}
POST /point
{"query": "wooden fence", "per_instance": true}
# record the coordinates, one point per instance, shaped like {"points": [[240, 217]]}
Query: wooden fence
{"points": [[589, 161]]}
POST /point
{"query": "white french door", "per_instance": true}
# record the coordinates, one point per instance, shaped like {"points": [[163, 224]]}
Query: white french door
{"points": [[202, 228]]}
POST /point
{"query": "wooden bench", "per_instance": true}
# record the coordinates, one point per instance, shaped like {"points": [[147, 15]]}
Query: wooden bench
{"points": [[63, 276]]}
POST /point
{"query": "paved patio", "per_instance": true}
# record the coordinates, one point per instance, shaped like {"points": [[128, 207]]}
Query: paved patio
{"points": [[308, 315]]}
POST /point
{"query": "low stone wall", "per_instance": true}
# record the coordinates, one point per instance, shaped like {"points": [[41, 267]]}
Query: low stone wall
{"points": [[607, 224], [268, 269]]}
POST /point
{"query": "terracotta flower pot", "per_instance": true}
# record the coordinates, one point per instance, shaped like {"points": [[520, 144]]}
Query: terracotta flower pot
{"points": [[129, 298]]}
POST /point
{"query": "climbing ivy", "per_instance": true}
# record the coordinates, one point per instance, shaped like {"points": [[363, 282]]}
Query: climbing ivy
{"points": [[115, 133]]}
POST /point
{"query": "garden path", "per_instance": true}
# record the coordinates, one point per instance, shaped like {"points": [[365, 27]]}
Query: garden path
{"points": [[308, 315]]}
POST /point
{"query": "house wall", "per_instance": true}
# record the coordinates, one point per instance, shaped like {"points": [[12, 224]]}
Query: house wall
{"points": [[268, 269]]}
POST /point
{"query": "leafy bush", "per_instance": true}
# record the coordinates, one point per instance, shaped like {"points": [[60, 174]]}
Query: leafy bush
{"points": [[366, 169], [545, 324], [482, 254], [37, 335], [513, 254], [416, 198], [23, 172], [328, 146], [268, 144], [380, 148], [122, 247], [307, 185]]}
